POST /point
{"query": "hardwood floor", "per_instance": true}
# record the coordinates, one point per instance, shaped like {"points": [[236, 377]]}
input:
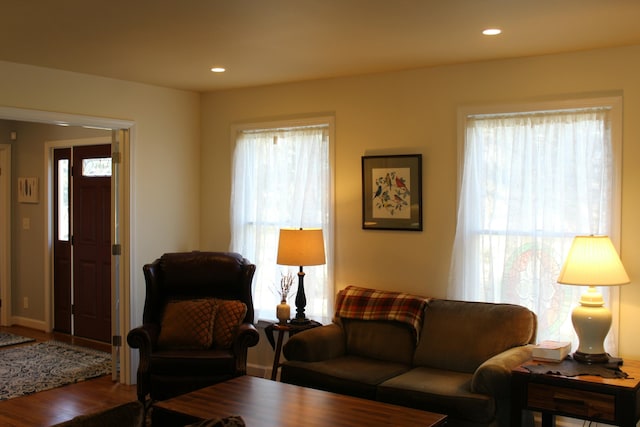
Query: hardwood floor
{"points": [[49, 407]]}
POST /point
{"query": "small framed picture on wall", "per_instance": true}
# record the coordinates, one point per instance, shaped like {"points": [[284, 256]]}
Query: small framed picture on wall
{"points": [[392, 192], [28, 190]]}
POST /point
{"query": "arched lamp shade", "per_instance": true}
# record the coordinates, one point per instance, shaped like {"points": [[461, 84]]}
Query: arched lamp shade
{"points": [[592, 261]]}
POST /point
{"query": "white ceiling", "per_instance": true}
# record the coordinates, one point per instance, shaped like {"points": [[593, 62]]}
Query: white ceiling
{"points": [[174, 43]]}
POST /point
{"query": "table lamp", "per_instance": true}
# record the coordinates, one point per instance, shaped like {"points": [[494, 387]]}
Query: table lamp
{"points": [[301, 247], [592, 261]]}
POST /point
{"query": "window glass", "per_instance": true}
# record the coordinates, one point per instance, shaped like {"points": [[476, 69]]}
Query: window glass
{"points": [[63, 200], [96, 167]]}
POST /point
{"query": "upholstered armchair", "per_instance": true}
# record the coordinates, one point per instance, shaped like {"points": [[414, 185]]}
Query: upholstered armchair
{"points": [[197, 322]]}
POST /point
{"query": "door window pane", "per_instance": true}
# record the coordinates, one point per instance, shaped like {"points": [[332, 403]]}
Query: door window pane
{"points": [[63, 200], [96, 167]]}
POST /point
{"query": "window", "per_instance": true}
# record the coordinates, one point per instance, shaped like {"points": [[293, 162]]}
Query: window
{"points": [[96, 167], [63, 200], [531, 181], [281, 179]]}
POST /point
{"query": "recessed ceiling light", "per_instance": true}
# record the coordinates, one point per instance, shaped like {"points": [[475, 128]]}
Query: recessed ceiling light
{"points": [[491, 31], [218, 70]]}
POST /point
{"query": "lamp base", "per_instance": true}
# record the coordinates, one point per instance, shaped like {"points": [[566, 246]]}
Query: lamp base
{"points": [[605, 359], [591, 321], [301, 302], [581, 357]]}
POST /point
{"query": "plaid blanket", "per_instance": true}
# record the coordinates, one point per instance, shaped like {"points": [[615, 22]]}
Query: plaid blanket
{"points": [[370, 304]]}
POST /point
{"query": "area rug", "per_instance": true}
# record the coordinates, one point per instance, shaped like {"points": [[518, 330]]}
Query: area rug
{"points": [[46, 365], [7, 338]]}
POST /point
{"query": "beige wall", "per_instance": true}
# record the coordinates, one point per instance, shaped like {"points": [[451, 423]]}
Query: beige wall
{"points": [[28, 250], [165, 152], [416, 112]]}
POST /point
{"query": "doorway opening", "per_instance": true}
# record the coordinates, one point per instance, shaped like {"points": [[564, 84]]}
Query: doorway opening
{"points": [[119, 218]]}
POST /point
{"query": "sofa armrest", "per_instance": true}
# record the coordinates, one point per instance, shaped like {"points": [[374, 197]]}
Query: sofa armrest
{"points": [[144, 338], [246, 335], [493, 377], [313, 345]]}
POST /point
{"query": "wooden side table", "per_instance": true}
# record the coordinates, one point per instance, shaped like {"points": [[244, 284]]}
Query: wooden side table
{"points": [[613, 401], [292, 329]]}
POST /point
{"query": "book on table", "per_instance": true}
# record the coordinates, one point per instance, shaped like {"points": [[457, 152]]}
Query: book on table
{"points": [[551, 351]]}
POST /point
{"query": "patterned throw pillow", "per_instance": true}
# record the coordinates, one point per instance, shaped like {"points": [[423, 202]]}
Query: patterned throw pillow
{"points": [[187, 325], [229, 315]]}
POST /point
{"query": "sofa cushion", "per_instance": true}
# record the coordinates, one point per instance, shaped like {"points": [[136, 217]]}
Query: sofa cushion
{"points": [[192, 362], [459, 335], [378, 339], [187, 324], [181, 371], [438, 391], [352, 375], [229, 315]]}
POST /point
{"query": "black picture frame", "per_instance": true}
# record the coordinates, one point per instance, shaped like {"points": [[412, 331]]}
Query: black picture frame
{"points": [[392, 192]]}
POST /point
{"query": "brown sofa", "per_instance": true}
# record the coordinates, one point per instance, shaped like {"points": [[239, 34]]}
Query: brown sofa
{"points": [[456, 357]]}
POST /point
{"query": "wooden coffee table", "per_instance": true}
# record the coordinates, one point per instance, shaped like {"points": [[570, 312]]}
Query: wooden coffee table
{"points": [[265, 403]]}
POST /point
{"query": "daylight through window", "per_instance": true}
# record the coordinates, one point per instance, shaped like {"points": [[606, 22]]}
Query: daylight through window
{"points": [[282, 179], [530, 183]]}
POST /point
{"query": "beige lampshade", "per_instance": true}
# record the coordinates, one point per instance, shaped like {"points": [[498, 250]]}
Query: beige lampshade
{"points": [[301, 247], [593, 261]]}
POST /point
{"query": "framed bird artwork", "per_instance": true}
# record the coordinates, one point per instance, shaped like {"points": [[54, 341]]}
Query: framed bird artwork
{"points": [[392, 192]]}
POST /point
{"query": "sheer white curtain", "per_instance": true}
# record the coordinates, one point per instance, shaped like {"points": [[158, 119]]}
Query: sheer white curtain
{"points": [[530, 183], [281, 178]]}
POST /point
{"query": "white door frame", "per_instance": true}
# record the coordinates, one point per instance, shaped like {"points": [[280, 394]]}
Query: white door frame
{"points": [[5, 233], [125, 185]]}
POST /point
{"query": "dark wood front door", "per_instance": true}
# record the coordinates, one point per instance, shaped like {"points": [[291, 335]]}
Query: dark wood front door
{"points": [[92, 242], [88, 290]]}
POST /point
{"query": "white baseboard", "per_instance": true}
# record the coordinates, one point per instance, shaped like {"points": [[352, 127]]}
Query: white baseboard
{"points": [[29, 323], [258, 371]]}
